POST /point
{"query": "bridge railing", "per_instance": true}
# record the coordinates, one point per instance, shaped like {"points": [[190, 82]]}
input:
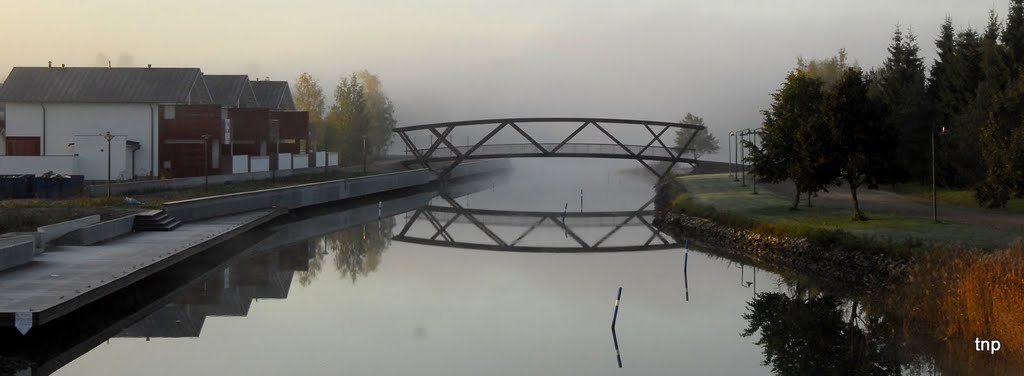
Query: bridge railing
{"points": [[572, 148]]}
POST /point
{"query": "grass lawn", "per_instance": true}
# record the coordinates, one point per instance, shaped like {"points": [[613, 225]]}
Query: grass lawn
{"points": [[719, 197], [963, 197]]}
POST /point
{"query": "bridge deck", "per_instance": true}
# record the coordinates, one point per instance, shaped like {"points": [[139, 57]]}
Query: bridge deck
{"points": [[571, 150]]}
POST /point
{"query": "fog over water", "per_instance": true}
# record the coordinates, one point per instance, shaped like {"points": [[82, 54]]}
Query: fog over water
{"points": [[461, 59]]}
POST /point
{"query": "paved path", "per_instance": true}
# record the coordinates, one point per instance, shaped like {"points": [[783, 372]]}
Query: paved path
{"points": [[65, 278], [879, 201]]}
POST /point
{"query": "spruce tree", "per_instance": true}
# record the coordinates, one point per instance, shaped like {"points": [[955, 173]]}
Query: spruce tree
{"points": [[1003, 148], [962, 165], [902, 90], [1013, 37]]}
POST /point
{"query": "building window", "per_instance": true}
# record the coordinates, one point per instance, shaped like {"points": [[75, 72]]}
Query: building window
{"points": [[168, 112]]}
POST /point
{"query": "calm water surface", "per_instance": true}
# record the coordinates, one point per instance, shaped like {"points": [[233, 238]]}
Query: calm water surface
{"points": [[356, 301]]}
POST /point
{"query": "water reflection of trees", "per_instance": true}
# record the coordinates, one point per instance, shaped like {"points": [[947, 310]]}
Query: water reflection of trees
{"points": [[927, 325], [355, 252], [804, 334]]}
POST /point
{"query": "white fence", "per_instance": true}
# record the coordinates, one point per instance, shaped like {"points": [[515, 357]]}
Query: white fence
{"points": [[300, 161], [259, 164], [321, 159], [239, 164], [38, 165], [284, 161]]}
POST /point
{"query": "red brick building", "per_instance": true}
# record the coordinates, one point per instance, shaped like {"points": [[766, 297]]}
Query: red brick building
{"points": [[292, 126]]}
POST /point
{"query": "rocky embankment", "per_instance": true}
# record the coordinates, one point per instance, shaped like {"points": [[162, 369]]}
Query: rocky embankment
{"points": [[828, 264]]}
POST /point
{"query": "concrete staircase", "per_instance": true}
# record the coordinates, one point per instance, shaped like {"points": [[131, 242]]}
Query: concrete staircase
{"points": [[155, 220]]}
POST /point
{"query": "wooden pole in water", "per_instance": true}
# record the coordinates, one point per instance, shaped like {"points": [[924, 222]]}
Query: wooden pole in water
{"points": [[615, 316], [686, 262], [686, 254]]}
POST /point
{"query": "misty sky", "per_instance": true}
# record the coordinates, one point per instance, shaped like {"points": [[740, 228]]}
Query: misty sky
{"points": [[462, 59]]}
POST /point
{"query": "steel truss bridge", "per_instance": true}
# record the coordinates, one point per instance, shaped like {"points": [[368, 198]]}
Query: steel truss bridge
{"points": [[440, 218], [441, 150]]}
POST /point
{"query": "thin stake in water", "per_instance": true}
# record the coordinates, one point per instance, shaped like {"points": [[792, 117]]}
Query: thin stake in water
{"points": [[686, 254], [686, 261], [615, 316], [615, 337]]}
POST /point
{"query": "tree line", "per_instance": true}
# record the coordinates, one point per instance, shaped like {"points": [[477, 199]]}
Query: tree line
{"points": [[831, 123], [357, 125]]}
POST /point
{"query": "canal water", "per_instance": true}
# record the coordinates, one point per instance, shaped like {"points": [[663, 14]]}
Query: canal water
{"points": [[366, 300]]}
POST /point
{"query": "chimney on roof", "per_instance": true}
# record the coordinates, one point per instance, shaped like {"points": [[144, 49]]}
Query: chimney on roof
{"points": [[49, 64]]}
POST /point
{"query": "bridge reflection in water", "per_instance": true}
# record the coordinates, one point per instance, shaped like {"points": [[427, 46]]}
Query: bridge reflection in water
{"points": [[438, 221]]}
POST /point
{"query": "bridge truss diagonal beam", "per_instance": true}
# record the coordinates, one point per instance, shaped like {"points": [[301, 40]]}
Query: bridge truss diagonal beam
{"points": [[456, 155]]}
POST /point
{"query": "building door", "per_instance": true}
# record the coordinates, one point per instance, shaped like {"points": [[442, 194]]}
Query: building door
{"points": [[22, 145]]}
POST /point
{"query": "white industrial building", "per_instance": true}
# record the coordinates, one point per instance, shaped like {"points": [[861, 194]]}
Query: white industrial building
{"points": [[56, 118]]}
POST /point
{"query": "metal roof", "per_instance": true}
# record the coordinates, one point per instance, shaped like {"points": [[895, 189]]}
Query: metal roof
{"points": [[274, 95], [226, 89], [103, 85]]}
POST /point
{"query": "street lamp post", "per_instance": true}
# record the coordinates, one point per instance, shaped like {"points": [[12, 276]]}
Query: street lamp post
{"points": [[736, 155], [206, 161], [364, 154], [753, 137], [935, 194], [743, 166], [108, 137], [728, 153]]}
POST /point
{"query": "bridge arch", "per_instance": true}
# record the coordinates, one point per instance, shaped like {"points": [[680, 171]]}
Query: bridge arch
{"points": [[442, 150]]}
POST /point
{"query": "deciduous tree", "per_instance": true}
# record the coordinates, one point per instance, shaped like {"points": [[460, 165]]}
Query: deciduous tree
{"points": [[796, 141], [309, 97], [703, 143], [865, 145]]}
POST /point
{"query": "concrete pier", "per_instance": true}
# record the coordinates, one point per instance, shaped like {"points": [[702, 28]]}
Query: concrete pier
{"points": [[67, 277]]}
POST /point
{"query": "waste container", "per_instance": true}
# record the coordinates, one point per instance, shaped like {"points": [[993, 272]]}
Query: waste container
{"points": [[16, 186], [46, 188], [70, 185]]}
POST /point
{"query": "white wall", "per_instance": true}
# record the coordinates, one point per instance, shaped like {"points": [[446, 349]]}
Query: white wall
{"points": [[25, 120], [36, 165], [64, 121], [332, 159], [92, 157], [321, 158]]}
